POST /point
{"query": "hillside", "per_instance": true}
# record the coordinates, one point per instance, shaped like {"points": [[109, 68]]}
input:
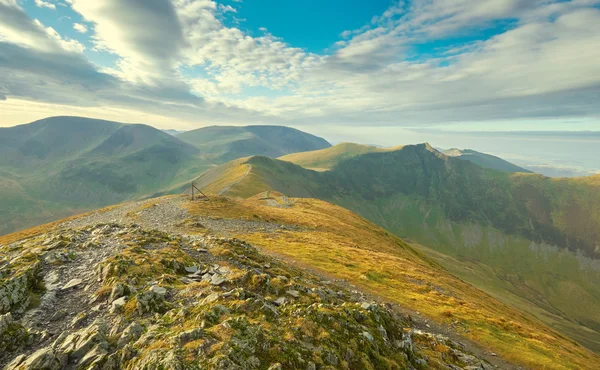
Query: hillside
{"points": [[268, 282], [325, 159], [224, 143], [484, 160], [60, 166], [528, 239]]}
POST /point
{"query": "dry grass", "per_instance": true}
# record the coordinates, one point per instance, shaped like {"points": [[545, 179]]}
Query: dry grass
{"points": [[345, 246]]}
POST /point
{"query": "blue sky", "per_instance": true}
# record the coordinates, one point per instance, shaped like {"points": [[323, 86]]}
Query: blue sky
{"points": [[460, 65]]}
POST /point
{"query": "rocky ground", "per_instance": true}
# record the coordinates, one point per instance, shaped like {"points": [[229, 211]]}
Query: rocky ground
{"points": [[133, 288]]}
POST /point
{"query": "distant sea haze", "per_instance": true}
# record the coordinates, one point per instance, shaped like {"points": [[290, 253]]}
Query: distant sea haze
{"points": [[551, 153]]}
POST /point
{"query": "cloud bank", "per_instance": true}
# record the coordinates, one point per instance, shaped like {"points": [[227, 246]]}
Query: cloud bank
{"points": [[421, 62]]}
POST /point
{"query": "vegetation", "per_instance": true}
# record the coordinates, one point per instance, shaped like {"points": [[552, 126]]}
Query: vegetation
{"points": [[326, 159], [533, 239], [59, 166], [225, 143], [337, 243]]}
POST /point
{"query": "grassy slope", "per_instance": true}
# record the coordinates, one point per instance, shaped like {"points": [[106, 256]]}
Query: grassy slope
{"points": [[325, 159], [470, 214], [224, 143], [485, 160], [338, 242]]}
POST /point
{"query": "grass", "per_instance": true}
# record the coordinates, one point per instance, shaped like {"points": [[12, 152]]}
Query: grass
{"points": [[326, 159], [345, 246]]}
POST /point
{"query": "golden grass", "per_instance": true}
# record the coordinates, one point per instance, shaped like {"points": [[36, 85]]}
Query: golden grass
{"points": [[325, 159], [344, 246]]}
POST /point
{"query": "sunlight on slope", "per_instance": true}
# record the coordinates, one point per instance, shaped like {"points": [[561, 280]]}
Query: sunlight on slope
{"points": [[325, 159], [348, 247]]}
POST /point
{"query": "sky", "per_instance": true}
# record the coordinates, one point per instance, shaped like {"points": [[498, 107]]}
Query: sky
{"points": [[364, 68]]}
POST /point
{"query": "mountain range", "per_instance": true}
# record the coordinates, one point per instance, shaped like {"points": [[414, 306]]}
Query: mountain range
{"points": [[523, 237], [506, 258], [60, 166]]}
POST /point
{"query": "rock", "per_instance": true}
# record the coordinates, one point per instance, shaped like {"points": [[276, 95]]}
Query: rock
{"points": [[118, 291], [5, 321], [132, 333], [367, 336], [44, 358], [217, 280], [365, 305], [78, 344], [211, 298], [188, 336], [191, 269], [293, 293], [280, 301], [117, 304], [158, 290], [72, 284], [94, 356]]}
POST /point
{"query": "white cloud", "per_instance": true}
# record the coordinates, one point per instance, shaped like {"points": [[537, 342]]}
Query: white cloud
{"points": [[45, 4], [81, 28], [227, 9], [177, 58]]}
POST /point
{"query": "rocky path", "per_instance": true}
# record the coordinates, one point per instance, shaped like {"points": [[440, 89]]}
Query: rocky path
{"points": [[168, 213]]}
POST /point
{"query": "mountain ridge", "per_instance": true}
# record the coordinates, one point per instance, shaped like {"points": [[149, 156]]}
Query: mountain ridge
{"points": [[510, 223], [157, 243]]}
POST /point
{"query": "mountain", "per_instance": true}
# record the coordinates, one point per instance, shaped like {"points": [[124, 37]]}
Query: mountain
{"points": [[224, 143], [325, 159], [270, 282], [484, 160], [60, 166], [172, 132], [529, 240]]}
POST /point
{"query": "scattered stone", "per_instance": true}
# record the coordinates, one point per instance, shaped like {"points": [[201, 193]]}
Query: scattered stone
{"points": [[191, 269], [158, 290], [72, 284], [280, 301], [217, 280], [293, 293]]}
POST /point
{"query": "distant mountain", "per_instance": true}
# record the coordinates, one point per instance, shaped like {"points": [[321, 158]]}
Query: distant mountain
{"points": [[484, 160], [59, 166], [173, 132], [224, 143], [525, 238]]}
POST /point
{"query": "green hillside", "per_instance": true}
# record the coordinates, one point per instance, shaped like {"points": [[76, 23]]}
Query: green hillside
{"points": [[325, 159], [59, 166], [225, 143], [525, 238], [484, 160]]}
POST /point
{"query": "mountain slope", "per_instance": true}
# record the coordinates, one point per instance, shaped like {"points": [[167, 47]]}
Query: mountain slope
{"points": [[326, 159], [64, 165], [484, 160], [531, 238], [138, 303], [60, 166], [224, 143]]}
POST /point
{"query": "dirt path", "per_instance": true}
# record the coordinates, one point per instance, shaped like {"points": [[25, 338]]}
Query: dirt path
{"points": [[222, 192]]}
